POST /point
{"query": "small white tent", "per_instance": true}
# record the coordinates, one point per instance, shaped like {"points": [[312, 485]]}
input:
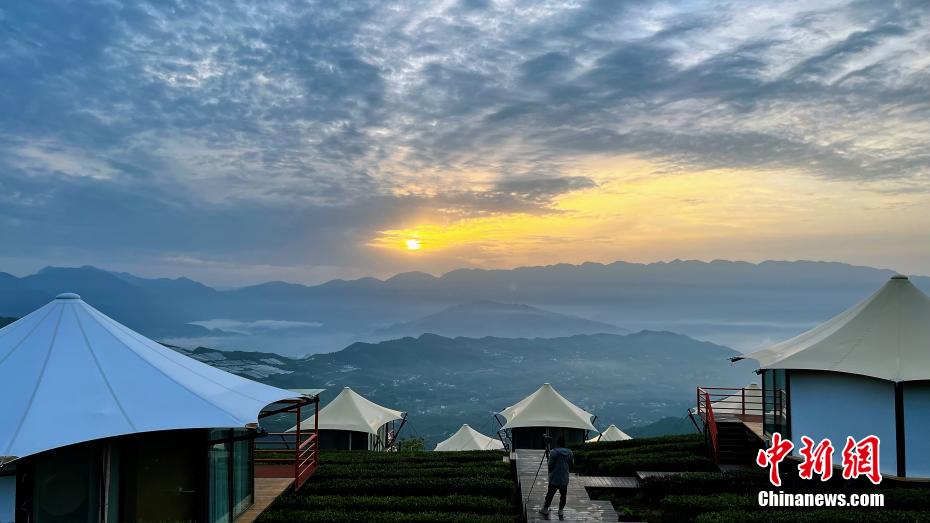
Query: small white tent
{"points": [[348, 413], [467, 438], [866, 371], [84, 398], [540, 413], [611, 433]]}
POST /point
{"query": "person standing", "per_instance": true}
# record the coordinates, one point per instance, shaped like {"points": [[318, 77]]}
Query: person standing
{"points": [[560, 462]]}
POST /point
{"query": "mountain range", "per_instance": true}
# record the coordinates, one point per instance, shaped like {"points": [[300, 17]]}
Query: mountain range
{"points": [[632, 380], [737, 304]]}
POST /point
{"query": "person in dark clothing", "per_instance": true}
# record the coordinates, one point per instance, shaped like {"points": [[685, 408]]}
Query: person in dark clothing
{"points": [[560, 462]]}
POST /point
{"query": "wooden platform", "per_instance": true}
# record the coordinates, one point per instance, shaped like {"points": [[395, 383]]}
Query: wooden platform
{"points": [[580, 507], [609, 481], [266, 491]]}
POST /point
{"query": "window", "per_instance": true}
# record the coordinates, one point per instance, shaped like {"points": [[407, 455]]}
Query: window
{"points": [[230, 464]]}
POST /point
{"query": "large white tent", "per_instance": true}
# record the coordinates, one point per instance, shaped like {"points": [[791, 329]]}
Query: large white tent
{"points": [[467, 438], [546, 408], [71, 374], [611, 433], [84, 399], [862, 372], [351, 412], [543, 416]]}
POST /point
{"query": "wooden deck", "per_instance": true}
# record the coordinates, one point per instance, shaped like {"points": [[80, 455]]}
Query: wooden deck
{"points": [[580, 507], [266, 491]]}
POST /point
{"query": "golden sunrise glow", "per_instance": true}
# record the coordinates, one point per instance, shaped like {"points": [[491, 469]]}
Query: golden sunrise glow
{"points": [[638, 212]]}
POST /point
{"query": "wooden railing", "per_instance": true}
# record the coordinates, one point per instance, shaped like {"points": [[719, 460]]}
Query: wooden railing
{"points": [[289, 454]]}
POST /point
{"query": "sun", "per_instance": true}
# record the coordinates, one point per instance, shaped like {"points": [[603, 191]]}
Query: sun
{"points": [[412, 244]]}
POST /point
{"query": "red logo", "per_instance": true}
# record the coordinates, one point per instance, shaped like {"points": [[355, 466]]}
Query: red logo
{"points": [[860, 458], [819, 459], [774, 455]]}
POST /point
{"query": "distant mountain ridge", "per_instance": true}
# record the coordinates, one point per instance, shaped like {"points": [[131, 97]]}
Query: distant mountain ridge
{"points": [[735, 303], [442, 382], [502, 320]]}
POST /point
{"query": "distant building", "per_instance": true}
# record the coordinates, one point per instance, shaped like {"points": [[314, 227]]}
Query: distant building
{"points": [[99, 423], [866, 371], [352, 422], [545, 414]]}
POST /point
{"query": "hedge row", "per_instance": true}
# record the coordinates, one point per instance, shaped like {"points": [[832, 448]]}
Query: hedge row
{"points": [[641, 442], [705, 483], [408, 458], [336, 516], [629, 466], [453, 503], [419, 486], [492, 470], [815, 516]]}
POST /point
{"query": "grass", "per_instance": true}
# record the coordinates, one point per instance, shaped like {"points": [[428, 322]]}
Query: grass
{"points": [[424, 487]]}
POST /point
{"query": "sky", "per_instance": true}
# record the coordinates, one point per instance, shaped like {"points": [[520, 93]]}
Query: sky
{"points": [[244, 141]]}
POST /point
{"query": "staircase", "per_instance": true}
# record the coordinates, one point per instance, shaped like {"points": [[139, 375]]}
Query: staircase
{"points": [[736, 444]]}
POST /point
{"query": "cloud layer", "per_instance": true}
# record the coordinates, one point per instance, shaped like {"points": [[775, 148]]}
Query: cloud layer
{"points": [[289, 133]]}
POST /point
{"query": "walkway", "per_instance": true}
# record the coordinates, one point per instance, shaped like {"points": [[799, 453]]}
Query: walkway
{"points": [[266, 491], [580, 506]]}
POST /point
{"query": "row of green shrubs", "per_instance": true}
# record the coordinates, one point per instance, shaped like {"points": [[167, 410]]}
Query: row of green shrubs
{"points": [[415, 486], [815, 516], [286, 515], [484, 470], [405, 487], [452, 503]]}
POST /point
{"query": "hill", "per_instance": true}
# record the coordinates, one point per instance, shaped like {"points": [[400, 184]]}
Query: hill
{"points": [[741, 305], [444, 382], [502, 320]]}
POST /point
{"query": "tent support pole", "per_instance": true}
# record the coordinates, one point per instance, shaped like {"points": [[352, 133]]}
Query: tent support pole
{"points": [[499, 436]]}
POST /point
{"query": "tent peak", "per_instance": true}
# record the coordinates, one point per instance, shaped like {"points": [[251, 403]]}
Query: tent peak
{"points": [[68, 296]]}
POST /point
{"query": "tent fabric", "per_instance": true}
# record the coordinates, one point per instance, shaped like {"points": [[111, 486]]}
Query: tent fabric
{"points": [[546, 408], [352, 411], [885, 336], [611, 433], [71, 374], [467, 438]]}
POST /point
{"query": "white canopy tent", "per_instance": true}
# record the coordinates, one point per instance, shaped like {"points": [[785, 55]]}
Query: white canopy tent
{"points": [[352, 411], [546, 408], [885, 336], [467, 438], [863, 372], [611, 433], [70, 374]]}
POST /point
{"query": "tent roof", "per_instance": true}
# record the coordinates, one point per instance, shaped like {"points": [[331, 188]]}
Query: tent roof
{"points": [[546, 408], [352, 411], [885, 336], [611, 433], [467, 438], [72, 374]]}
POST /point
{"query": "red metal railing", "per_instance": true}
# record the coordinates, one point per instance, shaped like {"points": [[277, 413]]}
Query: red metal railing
{"points": [[706, 412], [289, 454], [751, 405]]}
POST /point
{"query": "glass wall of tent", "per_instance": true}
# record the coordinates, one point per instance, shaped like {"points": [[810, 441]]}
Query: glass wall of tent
{"points": [[230, 474], [775, 402], [535, 437], [184, 475]]}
